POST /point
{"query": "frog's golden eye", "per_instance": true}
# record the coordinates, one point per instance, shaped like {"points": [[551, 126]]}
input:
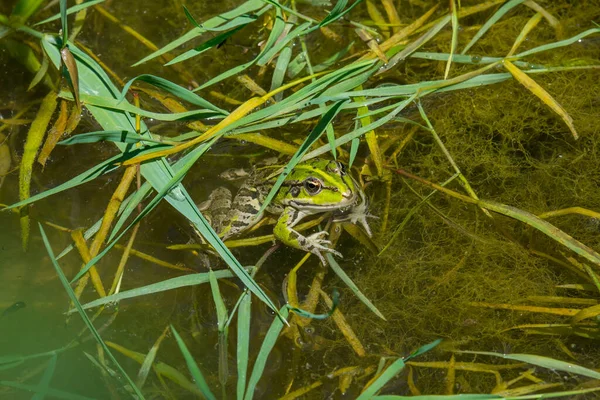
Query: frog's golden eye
{"points": [[312, 186]]}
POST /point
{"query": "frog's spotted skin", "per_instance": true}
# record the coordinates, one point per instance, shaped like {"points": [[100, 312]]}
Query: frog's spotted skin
{"points": [[313, 187]]}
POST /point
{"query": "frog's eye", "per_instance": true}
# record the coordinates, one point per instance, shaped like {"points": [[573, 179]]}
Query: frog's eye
{"points": [[313, 186]]}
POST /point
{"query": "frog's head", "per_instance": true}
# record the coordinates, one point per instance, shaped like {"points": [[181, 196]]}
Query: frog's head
{"points": [[318, 186]]}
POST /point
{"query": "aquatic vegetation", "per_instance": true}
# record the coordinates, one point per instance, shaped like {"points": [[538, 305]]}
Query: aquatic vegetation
{"points": [[432, 97]]}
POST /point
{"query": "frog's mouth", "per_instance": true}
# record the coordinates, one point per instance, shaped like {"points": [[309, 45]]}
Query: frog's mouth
{"points": [[348, 199]]}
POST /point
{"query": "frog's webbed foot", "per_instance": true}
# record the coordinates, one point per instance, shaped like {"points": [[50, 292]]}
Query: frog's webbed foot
{"points": [[316, 245]]}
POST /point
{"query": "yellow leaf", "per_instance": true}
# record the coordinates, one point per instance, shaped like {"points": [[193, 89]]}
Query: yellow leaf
{"points": [[539, 91]]}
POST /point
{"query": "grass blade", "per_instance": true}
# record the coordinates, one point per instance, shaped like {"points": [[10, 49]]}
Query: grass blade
{"points": [[193, 367], [243, 342], [346, 279], [541, 93], [393, 370], [509, 5], [70, 10], [544, 362], [168, 284], [44, 384], [265, 349]]}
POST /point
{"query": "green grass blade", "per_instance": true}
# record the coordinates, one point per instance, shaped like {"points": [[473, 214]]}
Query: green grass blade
{"points": [[243, 342], [442, 397], [86, 320], [89, 175], [263, 354], [116, 105], [509, 5], [544, 362], [209, 44], [346, 279], [149, 360], [63, 22], [279, 74], [246, 8], [175, 90], [558, 44], [222, 316], [168, 284], [71, 10], [44, 384], [111, 136], [278, 46], [393, 370], [193, 367]]}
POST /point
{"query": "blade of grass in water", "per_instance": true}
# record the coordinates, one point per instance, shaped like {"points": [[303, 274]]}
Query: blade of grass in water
{"points": [[44, 384], [509, 5], [168, 284], [346, 279], [84, 316], [544, 362], [149, 360], [193, 367], [393, 370], [243, 343], [246, 8], [55, 393], [263, 354], [71, 10]]}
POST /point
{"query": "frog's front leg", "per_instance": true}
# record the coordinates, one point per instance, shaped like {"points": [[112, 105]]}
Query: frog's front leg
{"points": [[312, 244]]}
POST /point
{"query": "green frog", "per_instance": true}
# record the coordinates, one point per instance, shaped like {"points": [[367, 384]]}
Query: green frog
{"points": [[312, 187]]}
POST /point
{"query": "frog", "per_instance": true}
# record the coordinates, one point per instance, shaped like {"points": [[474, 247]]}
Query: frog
{"points": [[312, 187]]}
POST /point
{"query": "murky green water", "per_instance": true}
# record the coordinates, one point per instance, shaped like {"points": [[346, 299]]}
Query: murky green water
{"points": [[510, 147]]}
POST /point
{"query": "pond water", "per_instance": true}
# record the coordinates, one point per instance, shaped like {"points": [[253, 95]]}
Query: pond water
{"points": [[443, 269]]}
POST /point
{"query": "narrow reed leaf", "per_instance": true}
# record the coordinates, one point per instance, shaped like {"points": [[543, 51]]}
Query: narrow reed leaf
{"points": [[529, 26], [44, 385], [110, 136], [296, 65], [346, 279], [541, 93], [276, 31], [243, 342], [556, 45], [443, 397], [63, 22], [149, 360], [87, 176], [245, 8], [222, 316], [279, 74], [117, 105], [454, 41], [39, 75], [86, 320], [310, 139], [193, 367], [354, 144], [544, 362], [174, 89], [278, 46], [263, 354], [393, 370], [168, 284], [71, 10], [509, 5], [209, 44]]}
